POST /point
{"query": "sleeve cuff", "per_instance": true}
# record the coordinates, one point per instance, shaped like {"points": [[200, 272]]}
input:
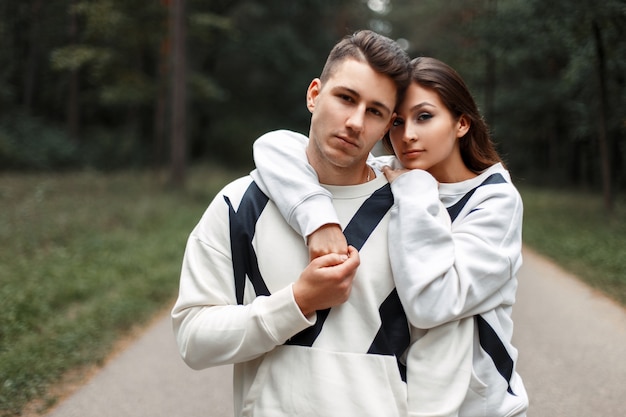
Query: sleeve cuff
{"points": [[285, 319], [317, 211]]}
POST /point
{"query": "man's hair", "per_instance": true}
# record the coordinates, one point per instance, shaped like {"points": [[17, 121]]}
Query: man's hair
{"points": [[382, 54]]}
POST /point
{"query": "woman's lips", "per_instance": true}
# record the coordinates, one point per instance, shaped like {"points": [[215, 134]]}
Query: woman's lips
{"points": [[413, 153]]}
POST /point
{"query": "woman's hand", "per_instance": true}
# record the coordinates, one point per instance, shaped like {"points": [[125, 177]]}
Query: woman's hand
{"points": [[392, 174]]}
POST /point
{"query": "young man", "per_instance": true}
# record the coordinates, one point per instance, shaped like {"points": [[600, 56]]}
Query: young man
{"points": [[319, 338]]}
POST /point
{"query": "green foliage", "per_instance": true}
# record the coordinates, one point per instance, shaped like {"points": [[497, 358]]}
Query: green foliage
{"points": [[203, 24], [103, 18], [264, 73], [111, 61], [573, 229], [75, 57], [533, 66], [84, 257], [27, 142], [130, 89], [105, 149], [554, 67], [118, 40]]}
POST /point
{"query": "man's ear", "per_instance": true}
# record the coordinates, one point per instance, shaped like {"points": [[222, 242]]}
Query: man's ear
{"points": [[462, 126], [312, 92]]}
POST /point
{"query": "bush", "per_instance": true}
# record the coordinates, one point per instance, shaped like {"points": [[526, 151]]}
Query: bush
{"points": [[110, 149], [29, 143], [26, 142]]}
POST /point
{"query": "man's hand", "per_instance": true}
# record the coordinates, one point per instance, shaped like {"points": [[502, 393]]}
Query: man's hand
{"points": [[326, 281], [392, 174], [327, 239]]}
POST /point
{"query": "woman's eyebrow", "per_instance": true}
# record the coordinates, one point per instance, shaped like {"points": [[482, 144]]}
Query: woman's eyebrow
{"points": [[423, 104]]}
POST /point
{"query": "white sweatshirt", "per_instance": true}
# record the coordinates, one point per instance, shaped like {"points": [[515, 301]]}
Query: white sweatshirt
{"points": [[236, 306], [442, 275]]}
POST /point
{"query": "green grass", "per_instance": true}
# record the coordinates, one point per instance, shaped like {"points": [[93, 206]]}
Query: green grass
{"points": [[84, 257], [574, 229]]}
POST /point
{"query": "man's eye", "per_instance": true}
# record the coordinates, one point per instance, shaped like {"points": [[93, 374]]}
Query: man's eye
{"points": [[345, 97], [376, 112]]}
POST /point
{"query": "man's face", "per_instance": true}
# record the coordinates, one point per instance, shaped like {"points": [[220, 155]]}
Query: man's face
{"points": [[351, 111]]}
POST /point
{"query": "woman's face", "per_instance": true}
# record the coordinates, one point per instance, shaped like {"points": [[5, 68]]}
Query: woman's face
{"points": [[425, 135]]}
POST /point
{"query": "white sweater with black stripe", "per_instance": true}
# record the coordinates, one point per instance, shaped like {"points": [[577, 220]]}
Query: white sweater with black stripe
{"points": [[236, 306], [442, 274]]}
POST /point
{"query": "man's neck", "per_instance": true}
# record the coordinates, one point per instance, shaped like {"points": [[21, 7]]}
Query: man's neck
{"points": [[354, 175], [329, 173]]}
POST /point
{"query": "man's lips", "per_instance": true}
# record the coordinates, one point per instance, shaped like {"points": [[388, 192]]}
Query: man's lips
{"points": [[346, 139]]}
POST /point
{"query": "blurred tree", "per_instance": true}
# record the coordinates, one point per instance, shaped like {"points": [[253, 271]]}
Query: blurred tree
{"points": [[549, 77], [179, 92], [264, 67], [567, 73], [28, 30], [28, 88], [110, 59], [73, 105]]}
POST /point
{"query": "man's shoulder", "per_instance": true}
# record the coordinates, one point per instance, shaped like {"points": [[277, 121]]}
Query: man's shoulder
{"points": [[241, 189]]}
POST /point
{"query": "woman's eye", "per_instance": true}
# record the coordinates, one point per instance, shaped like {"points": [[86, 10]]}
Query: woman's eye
{"points": [[424, 116], [397, 122]]}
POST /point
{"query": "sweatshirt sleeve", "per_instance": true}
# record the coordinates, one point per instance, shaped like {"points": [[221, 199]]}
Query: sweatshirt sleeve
{"points": [[210, 327], [284, 174], [443, 275]]}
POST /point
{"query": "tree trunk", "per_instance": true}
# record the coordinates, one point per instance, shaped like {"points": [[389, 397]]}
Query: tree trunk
{"points": [[178, 131], [160, 107], [490, 70], [605, 164], [32, 59], [73, 108]]}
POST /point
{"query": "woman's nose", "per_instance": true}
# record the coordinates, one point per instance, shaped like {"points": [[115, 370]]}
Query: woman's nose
{"points": [[410, 134]]}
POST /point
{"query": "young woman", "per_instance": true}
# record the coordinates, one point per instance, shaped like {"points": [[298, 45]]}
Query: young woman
{"points": [[443, 154]]}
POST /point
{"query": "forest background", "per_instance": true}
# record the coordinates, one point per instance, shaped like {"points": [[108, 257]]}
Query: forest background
{"points": [[120, 119], [109, 84]]}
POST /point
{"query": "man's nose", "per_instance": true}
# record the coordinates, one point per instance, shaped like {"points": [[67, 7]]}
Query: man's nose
{"points": [[357, 119]]}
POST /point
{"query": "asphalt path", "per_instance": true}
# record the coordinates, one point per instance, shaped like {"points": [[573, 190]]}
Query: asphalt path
{"points": [[571, 339]]}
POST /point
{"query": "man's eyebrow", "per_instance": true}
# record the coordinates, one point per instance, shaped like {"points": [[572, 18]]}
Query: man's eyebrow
{"points": [[384, 107], [375, 103]]}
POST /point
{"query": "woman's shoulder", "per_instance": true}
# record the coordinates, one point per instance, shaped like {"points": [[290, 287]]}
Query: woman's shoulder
{"points": [[493, 184]]}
